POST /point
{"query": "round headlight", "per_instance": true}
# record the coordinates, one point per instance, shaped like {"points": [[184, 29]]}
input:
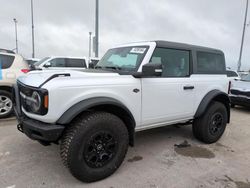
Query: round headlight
{"points": [[36, 102]]}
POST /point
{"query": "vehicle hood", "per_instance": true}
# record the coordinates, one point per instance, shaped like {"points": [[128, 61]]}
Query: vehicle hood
{"points": [[37, 78], [241, 85]]}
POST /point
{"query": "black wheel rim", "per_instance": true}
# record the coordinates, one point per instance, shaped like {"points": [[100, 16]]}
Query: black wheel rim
{"points": [[216, 124], [100, 149]]}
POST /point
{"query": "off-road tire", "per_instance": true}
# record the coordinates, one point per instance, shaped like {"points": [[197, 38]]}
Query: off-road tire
{"points": [[232, 105], [9, 96], [204, 128], [78, 136]]}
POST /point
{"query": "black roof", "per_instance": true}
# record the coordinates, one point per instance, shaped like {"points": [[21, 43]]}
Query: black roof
{"points": [[167, 44]]}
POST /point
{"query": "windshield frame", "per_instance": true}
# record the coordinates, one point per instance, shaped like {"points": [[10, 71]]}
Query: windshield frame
{"points": [[119, 69]]}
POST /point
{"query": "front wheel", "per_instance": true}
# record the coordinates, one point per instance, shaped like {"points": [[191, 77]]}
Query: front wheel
{"points": [[94, 146], [6, 105], [210, 127]]}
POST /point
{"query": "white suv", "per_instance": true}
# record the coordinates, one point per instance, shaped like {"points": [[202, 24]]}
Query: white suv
{"points": [[11, 66], [61, 63], [94, 114]]}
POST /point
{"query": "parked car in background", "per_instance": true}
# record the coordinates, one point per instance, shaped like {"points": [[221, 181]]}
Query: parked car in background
{"points": [[31, 61], [240, 92], [233, 75], [243, 74], [12, 66], [76, 63]]}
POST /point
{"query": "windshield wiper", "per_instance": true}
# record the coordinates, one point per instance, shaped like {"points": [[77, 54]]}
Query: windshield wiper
{"points": [[108, 67], [113, 67]]}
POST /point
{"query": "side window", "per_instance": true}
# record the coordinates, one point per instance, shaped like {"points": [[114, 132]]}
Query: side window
{"points": [[81, 63], [210, 63], [58, 62], [232, 74], [175, 63], [6, 61]]}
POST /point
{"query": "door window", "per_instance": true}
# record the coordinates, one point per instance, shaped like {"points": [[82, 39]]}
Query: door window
{"points": [[175, 63], [81, 63], [58, 62]]}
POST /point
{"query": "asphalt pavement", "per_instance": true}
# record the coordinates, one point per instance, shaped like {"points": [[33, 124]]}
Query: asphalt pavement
{"points": [[163, 157]]}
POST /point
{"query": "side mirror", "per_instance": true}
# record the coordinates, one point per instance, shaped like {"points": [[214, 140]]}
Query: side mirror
{"points": [[152, 69], [91, 65], [47, 65]]}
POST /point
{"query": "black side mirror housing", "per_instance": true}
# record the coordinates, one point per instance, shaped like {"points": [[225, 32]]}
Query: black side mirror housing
{"points": [[47, 65], [152, 69]]}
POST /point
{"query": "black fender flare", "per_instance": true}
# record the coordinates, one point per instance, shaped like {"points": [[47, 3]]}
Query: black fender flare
{"points": [[214, 95], [123, 112]]}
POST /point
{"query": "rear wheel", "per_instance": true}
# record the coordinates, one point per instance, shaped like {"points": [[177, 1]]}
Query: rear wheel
{"points": [[94, 146], [6, 105], [211, 126]]}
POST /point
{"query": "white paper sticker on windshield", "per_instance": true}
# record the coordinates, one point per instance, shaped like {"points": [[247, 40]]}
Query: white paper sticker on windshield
{"points": [[138, 50]]}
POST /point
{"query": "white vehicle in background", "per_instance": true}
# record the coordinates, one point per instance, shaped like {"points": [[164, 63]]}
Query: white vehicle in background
{"points": [[61, 63], [233, 75], [12, 66], [31, 61], [240, 92]]}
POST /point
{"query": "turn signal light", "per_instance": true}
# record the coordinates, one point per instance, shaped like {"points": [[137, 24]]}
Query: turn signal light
{"points": [[46, 101]]}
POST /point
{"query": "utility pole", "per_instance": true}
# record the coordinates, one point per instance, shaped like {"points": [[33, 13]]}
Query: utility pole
{"points": [[97, 29], [15, 21], [90, 37], [243, 37], [32, 28]]}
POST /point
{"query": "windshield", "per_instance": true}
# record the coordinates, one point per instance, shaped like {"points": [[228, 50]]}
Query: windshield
{"points": [[246, 78], [124, 58], [41, 61]]}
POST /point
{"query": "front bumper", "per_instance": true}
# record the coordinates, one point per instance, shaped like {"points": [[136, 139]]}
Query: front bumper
{"points": [[36, 130], [240, 100]]}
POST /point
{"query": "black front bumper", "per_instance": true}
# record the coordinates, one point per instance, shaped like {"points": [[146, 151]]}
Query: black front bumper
{"points": [[36, 130], [40, 131], [242, 101]]}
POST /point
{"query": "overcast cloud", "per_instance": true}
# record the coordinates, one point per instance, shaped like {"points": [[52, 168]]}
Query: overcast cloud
{"points": [[62, 26]]}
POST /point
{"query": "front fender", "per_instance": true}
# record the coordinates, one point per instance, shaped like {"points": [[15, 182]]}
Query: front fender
{"points": [[84, 105]]}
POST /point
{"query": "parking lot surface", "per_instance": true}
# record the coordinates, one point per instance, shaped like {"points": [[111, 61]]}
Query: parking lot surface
{"points": [[163, 157]]}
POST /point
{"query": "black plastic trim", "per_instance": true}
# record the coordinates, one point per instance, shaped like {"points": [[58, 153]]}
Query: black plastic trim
{"points": [[40, 131], [54, 76], [76, 109], [208, 98]]}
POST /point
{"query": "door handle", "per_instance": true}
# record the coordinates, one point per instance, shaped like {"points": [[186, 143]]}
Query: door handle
{"points": [[188, 87]]}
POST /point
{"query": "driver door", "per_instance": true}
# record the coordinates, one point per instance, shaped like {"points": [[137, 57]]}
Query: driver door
{"points": [[169, 97]]}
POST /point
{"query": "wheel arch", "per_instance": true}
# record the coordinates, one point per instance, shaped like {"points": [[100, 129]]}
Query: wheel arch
{"points": [[214, 95], [6, 88], [101, 104]]}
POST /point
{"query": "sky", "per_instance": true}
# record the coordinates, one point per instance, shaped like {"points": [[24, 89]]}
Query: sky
{"points": [[62, 26]]}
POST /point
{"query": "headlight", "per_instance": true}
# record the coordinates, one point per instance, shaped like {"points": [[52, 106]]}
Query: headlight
{"points": [[36, 102]]}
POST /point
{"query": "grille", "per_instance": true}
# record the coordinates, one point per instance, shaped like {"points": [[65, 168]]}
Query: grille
{"points": [[237, 92]]}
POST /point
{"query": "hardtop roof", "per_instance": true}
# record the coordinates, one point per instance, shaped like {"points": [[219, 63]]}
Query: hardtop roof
{"points": [[167, 44]]}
